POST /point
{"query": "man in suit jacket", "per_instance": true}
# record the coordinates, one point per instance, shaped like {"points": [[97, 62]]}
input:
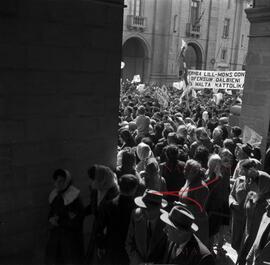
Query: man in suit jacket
{"points": [[260, 251], [183, 247], [146, 239], [114, 217]]}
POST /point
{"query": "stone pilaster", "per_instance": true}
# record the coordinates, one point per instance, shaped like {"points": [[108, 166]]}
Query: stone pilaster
{"points": [[256, 101]]}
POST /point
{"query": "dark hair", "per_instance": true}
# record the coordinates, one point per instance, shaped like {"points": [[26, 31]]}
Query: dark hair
{"points": [[257, 153], [141, 110], [129, 108], [128, 158], [229, 144], [92, 172], [236, 131], [171, 153], [167, 130], [128, 183], [148, 141], [127, 137], [201, 155], [172, 138], [248, 163], [59, 172], [159, 127]]}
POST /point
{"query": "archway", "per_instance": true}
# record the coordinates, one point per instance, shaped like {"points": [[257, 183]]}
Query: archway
{"points": [[134, 55], [193, 56]]}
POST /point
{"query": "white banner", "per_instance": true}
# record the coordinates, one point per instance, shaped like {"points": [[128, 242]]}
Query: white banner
{"points": [[216, 79]]}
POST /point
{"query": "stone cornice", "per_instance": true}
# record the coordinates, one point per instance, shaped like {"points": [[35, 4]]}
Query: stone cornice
{"points": [[258, 15]]}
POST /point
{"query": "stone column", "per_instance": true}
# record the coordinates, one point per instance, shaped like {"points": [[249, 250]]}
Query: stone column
{"points": [[59, 97], [256, 101]]}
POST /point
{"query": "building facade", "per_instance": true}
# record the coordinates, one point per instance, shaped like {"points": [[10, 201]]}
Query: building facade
{"points": [[216, 32], [256, 99]]}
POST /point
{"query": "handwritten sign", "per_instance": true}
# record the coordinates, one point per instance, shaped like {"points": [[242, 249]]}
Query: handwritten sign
{"points": [[216, 79]]}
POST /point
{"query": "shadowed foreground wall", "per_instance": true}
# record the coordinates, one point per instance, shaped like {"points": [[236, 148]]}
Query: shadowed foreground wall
{"points": [[256, 100], [59, 85]]}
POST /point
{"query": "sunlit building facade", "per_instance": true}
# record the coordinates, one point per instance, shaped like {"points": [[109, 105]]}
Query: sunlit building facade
{"points": [[216, 32]]}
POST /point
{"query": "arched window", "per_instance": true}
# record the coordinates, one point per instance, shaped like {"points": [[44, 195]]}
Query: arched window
{"points": [[175, 23]]}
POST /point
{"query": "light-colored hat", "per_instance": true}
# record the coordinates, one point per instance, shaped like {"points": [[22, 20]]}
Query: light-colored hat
{"points": [[143, 151], [151, 198], [180, 218]]}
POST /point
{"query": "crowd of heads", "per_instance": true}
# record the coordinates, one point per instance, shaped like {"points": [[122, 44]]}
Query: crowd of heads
{"points": [[180, 163]]}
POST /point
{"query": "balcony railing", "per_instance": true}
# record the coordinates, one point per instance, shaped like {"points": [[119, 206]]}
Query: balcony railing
{"points": [[193, 30], [136, 22]]}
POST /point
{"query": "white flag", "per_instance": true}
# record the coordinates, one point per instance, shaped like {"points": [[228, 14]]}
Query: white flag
{"points": [[136, 79], [183, 46], [141, 88], [178, 85]]}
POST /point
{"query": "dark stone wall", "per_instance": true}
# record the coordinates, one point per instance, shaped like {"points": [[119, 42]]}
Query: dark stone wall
{"points": [[256, 100], [59, 96]]}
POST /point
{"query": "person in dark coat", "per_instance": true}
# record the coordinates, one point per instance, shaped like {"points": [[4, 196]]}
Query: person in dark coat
{"points": [[65, 243], [202, 138], [103, 188], [260, 251], [255, 205], [146, 239], [183, 247], [217, 205], [173, 172], [126, 138], [114, 217]]}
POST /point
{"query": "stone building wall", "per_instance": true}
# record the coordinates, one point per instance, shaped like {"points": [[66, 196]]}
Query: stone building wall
{"points": [[59, 94], [256, 100]]}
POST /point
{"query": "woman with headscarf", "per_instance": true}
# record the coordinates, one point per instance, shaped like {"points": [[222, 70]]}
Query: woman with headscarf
{"points": [[194, 195], [151, 176], [143, 152], [65, 244], [103, 188]]}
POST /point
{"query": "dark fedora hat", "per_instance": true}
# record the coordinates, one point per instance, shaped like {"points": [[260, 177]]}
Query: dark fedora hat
{"points": [[180, 218], [151, 198]]}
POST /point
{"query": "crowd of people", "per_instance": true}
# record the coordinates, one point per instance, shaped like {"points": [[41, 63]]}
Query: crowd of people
{"points": [[184, 181]]}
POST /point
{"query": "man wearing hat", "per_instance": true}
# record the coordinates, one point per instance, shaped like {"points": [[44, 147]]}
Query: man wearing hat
{"points": [[115, 217], [146, 239], [183, 247]]}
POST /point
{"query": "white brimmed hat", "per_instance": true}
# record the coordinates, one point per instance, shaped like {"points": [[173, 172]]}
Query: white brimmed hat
{"points": [[180, 218]]}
